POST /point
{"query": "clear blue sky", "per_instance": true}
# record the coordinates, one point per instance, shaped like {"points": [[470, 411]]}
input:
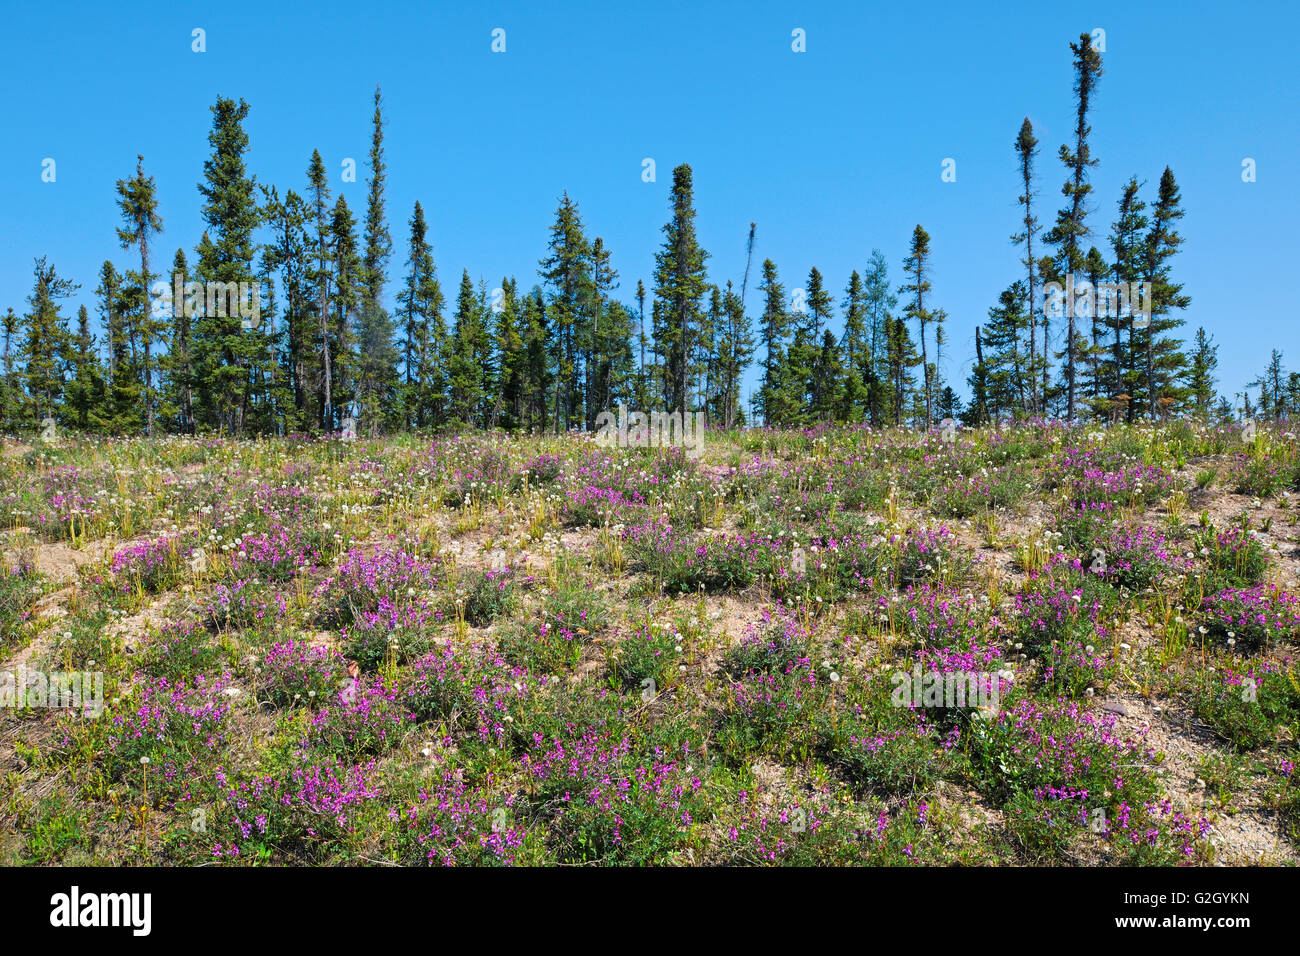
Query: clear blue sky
{"points": [[832, 152]]}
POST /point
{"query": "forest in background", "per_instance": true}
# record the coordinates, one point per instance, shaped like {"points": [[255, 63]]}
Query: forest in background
{"points": [[324, 346]]}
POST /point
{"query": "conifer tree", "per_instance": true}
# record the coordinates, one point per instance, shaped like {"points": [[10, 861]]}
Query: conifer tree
{"points": [[828, 401], [818, 398], [349, 291], [1201, 381], [1094, 349], [508, 343], [320, 254], [735, 347], [286, 254], [900, 359], [1009, 379], [680, 284], [468, 346], [917, 267], [86, 394], [424, 331], [775, 323], [607, 336], [566, 272], [642, 385], [1128, 245], [879, 301], [1165, 361], [977, 413], [224, 355], [376, 363], [538, 371], [10, 393], [138, 202], [857, 353], [379, 244], [1026, 152], [1071, 229], [122, 415], [46, 350]]}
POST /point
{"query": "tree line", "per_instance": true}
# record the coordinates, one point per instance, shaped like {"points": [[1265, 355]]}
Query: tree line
{"points": [[321, 347]]}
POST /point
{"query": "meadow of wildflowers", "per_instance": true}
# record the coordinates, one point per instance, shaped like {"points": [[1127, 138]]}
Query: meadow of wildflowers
{"points": [[497, 650]]}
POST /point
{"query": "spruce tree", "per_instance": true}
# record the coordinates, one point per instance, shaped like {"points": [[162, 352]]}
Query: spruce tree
{"points": [[288, 254], [1165, 361], [775, 323], [977, 413], [424, 334], [86, 393], [224, 355], [900, 359], [320, 253], [508, 344], [917, 267], [1201, 380], [819, 365], [538, 370], [10, 392], [47, 348], [349, 292], [879, 301], [468, 347], [607, 337], [122, 415], [1071, 229], [379, 244], [138, 202], [566, 271], [1026, 152], [376, 363], [735, 351], [1128, 246], [680, 284]]}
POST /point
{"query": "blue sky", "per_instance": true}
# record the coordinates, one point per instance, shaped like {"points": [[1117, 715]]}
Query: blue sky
{"points": [[832, 152]]}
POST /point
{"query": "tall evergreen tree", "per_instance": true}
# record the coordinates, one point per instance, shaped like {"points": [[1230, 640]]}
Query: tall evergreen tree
{"points": [[376, 363], [735, 346], [823, 369], [566, 271], [1201, 380], [1026, 152], [86, 394], [917, 267], [379, 244], [879, 301], [775, 324], [288, 254], [10, 392], [680, 284], [138, 202], [47, 349], [122, 416], [350, 292], [1009, 379], [467, 348], [1128, 245], [224, 355], [1071, 229], [1165, 361], [424, 331], [320, 252], [900, 359]]}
